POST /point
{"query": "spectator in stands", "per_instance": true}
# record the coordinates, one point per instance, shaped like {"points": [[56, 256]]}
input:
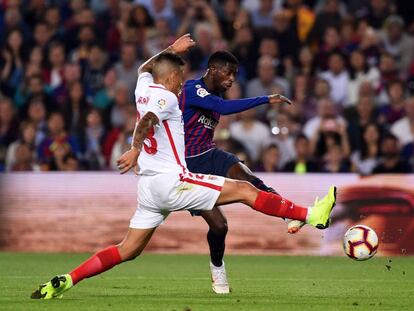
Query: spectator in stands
{"points": [[120, 106], [389, 72], [71, 74], [269, 159], [359, 72], [328, 17], [285, 34], [302, 15], [366, 157], [42, 35], [253, 134], [390, 161], [404, 128], [358, 118], [395, 110], [262, 16], [94, 70], [325, 111], [8, 128], [126, 68], [36, 114], [24, 160], [284, 131], [123, 142], [75, 110], [27, 136], [306, 64], [331, 44], [335, 161], [58, 145], [266, 79], [397, 43], [94, 136], [330, 133], [53, 75], [378, 11], [303, 162], [104, 97], [200, 12], [11, 62], [338, 79]]}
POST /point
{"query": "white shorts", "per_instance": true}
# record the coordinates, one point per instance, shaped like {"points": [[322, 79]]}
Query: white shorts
{"points": [[161, 194]]}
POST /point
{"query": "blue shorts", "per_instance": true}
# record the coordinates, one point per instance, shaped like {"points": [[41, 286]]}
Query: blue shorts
{"points": [[214, 162]]}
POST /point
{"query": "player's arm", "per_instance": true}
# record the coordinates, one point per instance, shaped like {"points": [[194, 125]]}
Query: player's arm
{"points": [[205, 100], [181, 45], [129, 159]]}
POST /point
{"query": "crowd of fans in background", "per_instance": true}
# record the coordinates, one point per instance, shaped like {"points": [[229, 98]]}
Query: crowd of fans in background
{"points": [[68, 70]]}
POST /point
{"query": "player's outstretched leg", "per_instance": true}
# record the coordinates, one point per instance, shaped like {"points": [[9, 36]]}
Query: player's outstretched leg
{"points": [[275, 205], [131, 247], [240, 171]]}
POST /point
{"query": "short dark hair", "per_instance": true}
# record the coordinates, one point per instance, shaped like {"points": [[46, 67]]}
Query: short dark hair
{"points": [[171, 58], [301, 136], [222, 58], [172, 61]]}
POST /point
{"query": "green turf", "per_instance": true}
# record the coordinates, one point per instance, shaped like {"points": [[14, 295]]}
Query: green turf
{"points": [[168, 282]]}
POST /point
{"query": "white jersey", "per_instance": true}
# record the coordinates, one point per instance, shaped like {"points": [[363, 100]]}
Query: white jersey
{"points": [[164, 147]]}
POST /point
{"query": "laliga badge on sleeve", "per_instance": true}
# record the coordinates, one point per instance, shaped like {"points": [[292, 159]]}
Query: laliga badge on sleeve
{"points": [[162, 104], [202, 92]]}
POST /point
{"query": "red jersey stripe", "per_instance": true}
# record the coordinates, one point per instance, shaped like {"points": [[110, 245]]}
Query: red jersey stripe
{"points": [[170, 138]]}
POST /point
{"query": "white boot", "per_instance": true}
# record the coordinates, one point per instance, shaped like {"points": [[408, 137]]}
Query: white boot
{"points": [[219, 279]]}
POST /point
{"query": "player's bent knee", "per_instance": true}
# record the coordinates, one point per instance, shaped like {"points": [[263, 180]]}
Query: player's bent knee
{"points": [[220, 228]]}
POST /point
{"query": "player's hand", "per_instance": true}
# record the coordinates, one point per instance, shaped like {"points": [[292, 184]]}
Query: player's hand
{"points": [[279, 99], [128, 160], [182, 44]]}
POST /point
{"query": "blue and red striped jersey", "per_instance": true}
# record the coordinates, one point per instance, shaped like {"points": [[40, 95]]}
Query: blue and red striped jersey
{"points": [[201, 112]]}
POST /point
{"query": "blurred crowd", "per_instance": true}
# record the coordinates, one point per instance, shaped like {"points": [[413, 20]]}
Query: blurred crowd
{"points": [[68, 71]]}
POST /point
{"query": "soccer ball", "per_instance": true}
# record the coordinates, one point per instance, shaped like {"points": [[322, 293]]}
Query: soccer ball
{"points": [[360, 242]]}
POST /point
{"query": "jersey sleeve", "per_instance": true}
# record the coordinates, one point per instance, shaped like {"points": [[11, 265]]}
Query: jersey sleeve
{"points": [[201, 98], [163, 105], [143, 81]]}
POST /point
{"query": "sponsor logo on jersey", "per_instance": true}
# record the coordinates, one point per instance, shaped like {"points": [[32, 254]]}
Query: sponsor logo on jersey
{"points": [[202, 92], [208, 122]]}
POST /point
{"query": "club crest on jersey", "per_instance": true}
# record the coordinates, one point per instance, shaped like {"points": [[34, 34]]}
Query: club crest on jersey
{"points": [[202, 92], [161, 104]]}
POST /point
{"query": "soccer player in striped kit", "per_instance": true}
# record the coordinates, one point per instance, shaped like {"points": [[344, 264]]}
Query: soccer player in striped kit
{"points": [[202, 104]]}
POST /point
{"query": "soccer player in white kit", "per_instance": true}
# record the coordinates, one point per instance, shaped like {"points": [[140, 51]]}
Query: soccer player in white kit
{"points": [[165, 184]]}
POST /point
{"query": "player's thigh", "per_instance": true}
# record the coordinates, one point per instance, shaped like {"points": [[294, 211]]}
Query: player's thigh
{"points": [[134, 242], [240, 171], [237, 191]]}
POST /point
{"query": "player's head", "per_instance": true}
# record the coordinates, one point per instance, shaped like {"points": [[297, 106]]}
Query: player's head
{"points": [[168, 71], [222, 70]]}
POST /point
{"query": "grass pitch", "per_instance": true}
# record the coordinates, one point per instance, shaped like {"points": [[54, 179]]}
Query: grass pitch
{"points": [[179, 282]]}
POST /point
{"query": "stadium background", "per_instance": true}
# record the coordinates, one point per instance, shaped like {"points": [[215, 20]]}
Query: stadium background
{"points": [[67, 74]]}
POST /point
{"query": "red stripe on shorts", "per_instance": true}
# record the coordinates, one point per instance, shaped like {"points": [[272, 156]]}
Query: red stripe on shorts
{"points": [[201, 183]]}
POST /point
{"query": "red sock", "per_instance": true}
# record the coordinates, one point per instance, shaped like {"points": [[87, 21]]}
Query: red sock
{"points": [[274, 205], [98, 263]]}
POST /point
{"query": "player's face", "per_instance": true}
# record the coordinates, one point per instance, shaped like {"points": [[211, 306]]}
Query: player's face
{"points": [[178, 78], [224, 77]]}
